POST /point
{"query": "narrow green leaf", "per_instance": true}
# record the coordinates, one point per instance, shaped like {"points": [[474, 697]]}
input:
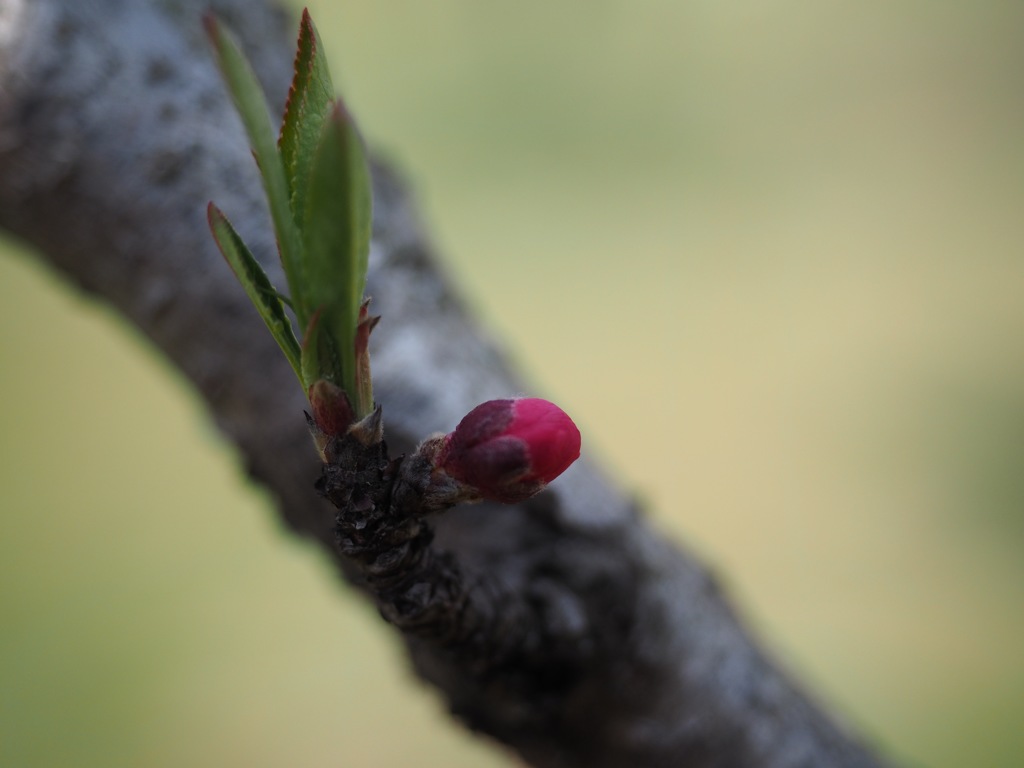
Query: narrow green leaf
{"points": [[252, 107], [310, 356], [310, 100], [336, 232], [319, 357], [256, 284]]}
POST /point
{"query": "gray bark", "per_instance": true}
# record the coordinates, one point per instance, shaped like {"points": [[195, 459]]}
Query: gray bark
{"points": [[114, 134]]}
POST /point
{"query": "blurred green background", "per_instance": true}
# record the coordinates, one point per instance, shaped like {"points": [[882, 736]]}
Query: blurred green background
{"points": [[769, 254]]}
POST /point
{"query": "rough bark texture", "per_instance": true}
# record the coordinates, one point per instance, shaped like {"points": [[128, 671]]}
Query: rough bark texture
{"points": [[602, 644]]}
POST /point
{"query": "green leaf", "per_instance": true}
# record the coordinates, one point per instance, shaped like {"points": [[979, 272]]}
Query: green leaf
{"points": [[318, 186], [336, 231], [309, 360], [252, 107], [256, 284], [310, 100], [320, 358]]}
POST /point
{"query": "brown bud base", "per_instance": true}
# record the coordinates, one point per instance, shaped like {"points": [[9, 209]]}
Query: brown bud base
{"points": [[415, 587], [383, 526]]}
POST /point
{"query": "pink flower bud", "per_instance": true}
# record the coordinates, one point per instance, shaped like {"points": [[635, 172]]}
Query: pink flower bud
{"points": [[508, 450]]}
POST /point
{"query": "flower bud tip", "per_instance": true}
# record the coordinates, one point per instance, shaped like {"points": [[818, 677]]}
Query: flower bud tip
{"points": [[509, 450]]}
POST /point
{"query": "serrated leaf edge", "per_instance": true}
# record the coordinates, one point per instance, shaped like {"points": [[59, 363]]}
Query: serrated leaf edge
{"points": [[251, 104]]}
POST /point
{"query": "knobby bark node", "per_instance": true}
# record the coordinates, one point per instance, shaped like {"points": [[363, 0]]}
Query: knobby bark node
{"points": [[564, 626], [534, 644]]}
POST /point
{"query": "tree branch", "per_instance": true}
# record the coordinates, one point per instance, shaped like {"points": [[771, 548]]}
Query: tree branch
{"points": [[590, 641]]}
